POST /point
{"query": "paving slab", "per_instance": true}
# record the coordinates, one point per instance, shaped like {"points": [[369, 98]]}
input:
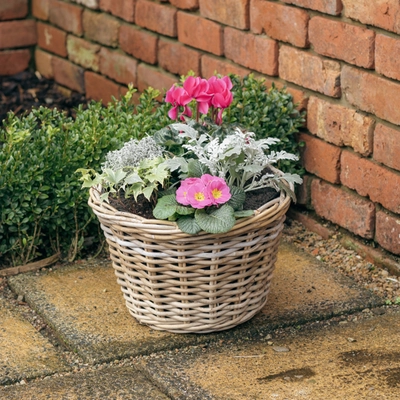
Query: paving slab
{"points": [[24, 352], [112, 383], [84, 305], [359, 360]]}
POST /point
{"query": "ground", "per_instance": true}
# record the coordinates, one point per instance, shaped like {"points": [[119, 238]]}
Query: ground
{"points": [[19, 93]]}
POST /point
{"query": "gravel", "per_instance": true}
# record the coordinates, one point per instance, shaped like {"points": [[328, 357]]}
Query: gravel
{"points": [[348, 262]]}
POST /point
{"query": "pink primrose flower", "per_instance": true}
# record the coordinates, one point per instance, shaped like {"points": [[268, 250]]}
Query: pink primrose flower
{"points": [[206, 178], [181, 193], [178, 97], [203, 192], [197, 195], [218, 191]]}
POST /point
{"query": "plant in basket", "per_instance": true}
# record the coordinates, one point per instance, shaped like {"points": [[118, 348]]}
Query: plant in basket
{"points": [[193, 212], [197, 171]]}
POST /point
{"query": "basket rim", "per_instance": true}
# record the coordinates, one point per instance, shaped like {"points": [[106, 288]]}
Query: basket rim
{"points": [[105, 211]]}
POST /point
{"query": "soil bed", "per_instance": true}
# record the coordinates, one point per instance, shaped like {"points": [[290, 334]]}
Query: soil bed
{"points": [[19, 93], [254, 200]]}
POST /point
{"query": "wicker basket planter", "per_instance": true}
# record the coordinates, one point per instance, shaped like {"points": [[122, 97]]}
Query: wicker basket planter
{"points": [[185, 283]]}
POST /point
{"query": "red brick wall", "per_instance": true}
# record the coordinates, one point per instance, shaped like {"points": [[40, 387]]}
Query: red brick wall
{"points": [[339, 58], [17, 35]]}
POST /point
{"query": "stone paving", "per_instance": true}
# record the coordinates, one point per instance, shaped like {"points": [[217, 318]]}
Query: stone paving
{"points": [[318, 358]]}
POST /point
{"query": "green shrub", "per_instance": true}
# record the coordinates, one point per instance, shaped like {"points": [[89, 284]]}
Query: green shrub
{"points": [[268, 112], [43, 209]]}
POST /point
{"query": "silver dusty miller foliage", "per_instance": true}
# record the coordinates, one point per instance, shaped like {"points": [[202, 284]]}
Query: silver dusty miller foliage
{"points": [[132, 153]]}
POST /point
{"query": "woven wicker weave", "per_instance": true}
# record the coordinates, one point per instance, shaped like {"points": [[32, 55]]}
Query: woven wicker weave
{"points": [[192, 283]]}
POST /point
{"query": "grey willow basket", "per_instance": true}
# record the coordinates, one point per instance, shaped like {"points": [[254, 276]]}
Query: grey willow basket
{"points": [[185, 283]]}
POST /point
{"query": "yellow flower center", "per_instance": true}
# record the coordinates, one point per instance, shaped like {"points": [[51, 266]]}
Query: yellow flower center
{"points": [[199, 196], [216, 193]]}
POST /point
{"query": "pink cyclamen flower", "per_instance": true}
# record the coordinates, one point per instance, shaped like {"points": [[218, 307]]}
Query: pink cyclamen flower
{"points": [[222, 97], [197, 195], [178, 97], [181, 193], [197, 88], [220, 88], [218, 191]]}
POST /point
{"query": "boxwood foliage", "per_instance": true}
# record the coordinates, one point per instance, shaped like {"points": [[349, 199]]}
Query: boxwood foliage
{"points": [[43, 208], [268, 112]]}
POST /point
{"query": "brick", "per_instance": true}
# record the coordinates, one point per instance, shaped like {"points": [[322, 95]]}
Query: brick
{"points": [[380, 184], [185, 4], [342, 41], [196, 31], [156, 17], [332, 7], [51, 39], [280, 22], [93, 4], [66, 16], [300, 98], [40, 9], [177, 58], [150, 76], [101, 28], [124, 9], [256, 52], [13, 9], [211, 65], [320, 158], [229, 12], [118, 67], [139, 43], [14, 61], [68, 74], [44, 64], [371, 93], [343, 208], [100, 88], [17, 34], [383, 14], [83, 53], [309, 71], [388, 231], [340, 125], [387, 56], [387, 146]]}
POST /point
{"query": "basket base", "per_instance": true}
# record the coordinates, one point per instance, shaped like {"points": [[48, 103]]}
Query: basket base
{"points": [[192, 327]]}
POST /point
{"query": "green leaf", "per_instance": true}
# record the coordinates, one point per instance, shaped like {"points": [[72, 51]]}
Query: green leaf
{"points": [[132, 178], [238, 197], [216, 220], [188, 224], [166, 207], [184, 210], [196, 169], [244, 213], [114, 177]]}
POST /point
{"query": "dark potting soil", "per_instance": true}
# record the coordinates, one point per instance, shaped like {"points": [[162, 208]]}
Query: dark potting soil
{"points": [[20, 93], [254, 200]]}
